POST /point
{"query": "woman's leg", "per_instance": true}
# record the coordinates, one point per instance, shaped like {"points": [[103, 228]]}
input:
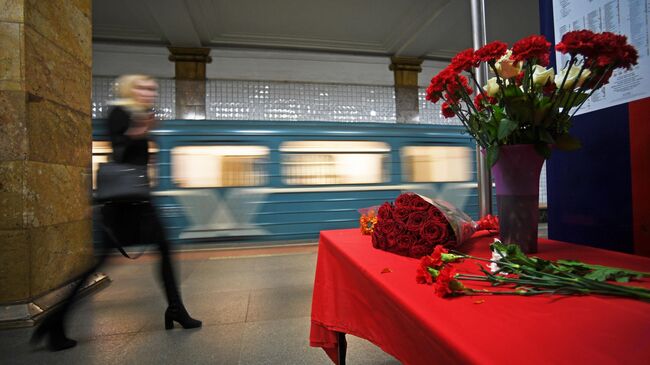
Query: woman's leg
{"points": [[53, 325], [176, 310]]}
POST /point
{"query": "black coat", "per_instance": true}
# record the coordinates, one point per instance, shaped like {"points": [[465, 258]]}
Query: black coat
{"points": [[129, 223]]}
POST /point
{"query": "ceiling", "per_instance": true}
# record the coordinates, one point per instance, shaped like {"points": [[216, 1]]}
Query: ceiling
{"points": [[430, 29]]}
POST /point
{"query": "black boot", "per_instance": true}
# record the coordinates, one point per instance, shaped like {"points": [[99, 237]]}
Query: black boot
{"points": [[178, 313], [52, 328]]}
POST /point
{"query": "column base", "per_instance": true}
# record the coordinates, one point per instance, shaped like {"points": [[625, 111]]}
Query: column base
{"points": [[28, 314]]}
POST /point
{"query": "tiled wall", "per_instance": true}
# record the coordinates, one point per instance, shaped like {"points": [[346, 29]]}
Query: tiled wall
{"points": [[262, 100]]}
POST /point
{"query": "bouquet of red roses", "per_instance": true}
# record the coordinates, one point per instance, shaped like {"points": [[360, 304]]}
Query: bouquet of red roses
{"points": [[415, 224]]}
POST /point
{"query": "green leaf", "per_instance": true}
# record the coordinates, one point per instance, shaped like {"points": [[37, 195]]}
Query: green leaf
{"points": [[569, 99], [545, 136], [567, 142], [506, 126], [492, 155]]}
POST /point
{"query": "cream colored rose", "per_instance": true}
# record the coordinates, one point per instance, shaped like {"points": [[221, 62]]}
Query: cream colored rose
{"points": [[542, 75], [492, 87], [507, 68], [572, 81]]}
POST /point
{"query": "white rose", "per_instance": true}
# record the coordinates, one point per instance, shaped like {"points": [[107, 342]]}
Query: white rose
{"points": [[571, 80], [492, 87], [542, 75], [506, 68]]}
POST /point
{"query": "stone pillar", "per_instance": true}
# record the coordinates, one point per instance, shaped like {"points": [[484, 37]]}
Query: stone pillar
{"points": [[405, 70], [190, 80], [45, 152]]}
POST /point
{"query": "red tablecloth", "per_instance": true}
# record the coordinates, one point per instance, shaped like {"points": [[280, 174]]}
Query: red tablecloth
{"points": [[408, 321]]}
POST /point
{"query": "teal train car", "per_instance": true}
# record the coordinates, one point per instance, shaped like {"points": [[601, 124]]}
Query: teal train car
{"points": [[251, 181]]}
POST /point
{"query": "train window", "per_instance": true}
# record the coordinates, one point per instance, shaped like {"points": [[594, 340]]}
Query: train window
{"points": [[102, 152], [219, 166], [334, 162], [436, 163]]}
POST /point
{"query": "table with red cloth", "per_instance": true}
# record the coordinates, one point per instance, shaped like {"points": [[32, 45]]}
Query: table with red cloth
{"points": [[372, 294]]}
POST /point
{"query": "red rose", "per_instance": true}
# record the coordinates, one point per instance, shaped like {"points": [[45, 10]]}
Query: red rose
{"points": [[534, 47], [404, 242], [416, 221], [385, 211], [378, 239], [404, 200], [419, 250], [491, 52], [436, 215], [420, 204], [391, 240], [435, 232], [401, 215]]}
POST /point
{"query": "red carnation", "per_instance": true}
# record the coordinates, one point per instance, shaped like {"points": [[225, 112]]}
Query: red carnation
{"points": [[422, 276], [447, 111], [613, 51], [439, 84], [577, 42], [480, 100], [534, 47], [491, 52], [434, 260], [445, 282], [464, 61]]}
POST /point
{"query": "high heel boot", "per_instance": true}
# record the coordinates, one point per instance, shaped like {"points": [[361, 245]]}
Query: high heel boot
{"points": [[178, 313], [52, 329]]}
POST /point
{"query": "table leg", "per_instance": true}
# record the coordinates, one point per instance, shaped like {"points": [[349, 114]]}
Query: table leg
{"points": [[342, 347]]}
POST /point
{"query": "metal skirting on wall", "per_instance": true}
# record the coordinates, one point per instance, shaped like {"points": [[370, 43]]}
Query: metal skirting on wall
{"points": [[28, 314]]}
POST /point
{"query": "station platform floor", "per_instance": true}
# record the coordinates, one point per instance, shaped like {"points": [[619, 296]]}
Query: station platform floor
{"points": [[255, 306]]}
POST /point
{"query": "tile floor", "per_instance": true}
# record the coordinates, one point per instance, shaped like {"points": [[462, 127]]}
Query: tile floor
{"points": [[255, 308]]}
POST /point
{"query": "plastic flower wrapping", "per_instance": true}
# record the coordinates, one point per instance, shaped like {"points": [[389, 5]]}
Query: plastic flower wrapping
{"points": [[414, 224]]}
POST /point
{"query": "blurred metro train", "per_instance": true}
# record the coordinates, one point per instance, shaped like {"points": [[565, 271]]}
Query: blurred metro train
{"points": [[217, 181]]}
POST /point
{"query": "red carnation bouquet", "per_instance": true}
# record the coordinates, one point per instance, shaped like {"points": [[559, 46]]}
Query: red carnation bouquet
{"points": [[415, 224], [526, 102]]}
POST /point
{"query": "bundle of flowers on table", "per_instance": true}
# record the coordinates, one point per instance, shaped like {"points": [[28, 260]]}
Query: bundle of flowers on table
{"points": [[415, 224], [518, 274]]}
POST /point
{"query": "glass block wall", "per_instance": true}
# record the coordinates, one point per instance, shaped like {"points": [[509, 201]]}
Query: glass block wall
{"points": [[431, 113], [103, 94], [266, 100]]}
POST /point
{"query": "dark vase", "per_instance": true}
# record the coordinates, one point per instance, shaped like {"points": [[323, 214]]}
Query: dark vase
{"points": [[516, 176]]}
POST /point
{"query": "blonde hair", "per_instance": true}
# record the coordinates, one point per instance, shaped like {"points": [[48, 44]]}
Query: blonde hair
{"points": [[124, 90]]}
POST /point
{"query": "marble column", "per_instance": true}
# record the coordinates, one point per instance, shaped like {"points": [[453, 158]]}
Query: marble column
{"points": [[45, 152], [190, 81], [405, 71]]}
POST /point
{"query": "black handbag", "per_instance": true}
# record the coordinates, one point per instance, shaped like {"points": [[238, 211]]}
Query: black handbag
{"points": [[122, 182]]}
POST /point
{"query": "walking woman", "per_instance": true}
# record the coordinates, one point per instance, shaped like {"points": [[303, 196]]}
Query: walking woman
{"points": [[129, 123]]}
